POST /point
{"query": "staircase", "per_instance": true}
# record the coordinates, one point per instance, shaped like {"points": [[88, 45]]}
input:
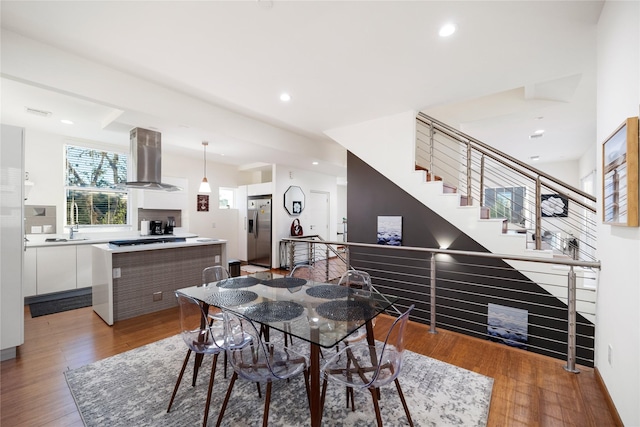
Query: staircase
{"points": [[451, 175]]}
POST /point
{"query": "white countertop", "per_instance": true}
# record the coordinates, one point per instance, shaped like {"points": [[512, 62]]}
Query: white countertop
{"points": [[82, 238], [191, 241]]}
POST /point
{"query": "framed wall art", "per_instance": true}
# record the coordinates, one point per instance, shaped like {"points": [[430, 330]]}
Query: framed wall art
{"points": [[554, 205], [390, 230], [203, 203], [620, 175]]}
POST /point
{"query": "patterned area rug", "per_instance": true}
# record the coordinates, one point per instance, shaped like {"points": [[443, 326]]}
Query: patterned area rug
{"points": [[134, 388]]}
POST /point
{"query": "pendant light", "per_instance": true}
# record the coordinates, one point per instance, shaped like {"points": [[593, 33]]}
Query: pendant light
{"points": [[204, 185]]}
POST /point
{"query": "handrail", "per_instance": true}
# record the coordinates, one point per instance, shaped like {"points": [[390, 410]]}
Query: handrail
{"points": [[493, 151], [434, 302], [560, 261], [472, 167]]}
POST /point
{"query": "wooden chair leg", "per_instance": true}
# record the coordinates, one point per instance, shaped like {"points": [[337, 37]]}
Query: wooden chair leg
{"points": [[307, 387], [175, 389], [404, 402], [267, 401], [226, 398], [213, 374], [324, 393], [376, 406]]}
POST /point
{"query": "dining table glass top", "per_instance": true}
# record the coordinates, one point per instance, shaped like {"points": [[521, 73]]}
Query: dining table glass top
{"points": [[320, 313]]}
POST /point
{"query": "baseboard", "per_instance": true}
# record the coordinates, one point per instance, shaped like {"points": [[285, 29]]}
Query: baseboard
{"points": [[8, 353], [612, 407], [57, 295]]}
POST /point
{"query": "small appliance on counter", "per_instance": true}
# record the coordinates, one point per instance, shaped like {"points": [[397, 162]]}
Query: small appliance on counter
{"points": [[171, 222], [155, 227], [144, 227]]}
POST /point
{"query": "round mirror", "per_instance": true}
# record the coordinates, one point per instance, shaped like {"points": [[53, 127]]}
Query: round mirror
{"points": [[294, 200]]}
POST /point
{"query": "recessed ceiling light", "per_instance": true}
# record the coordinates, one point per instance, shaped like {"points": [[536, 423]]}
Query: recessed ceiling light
{"points": [[537, 134], [285, 97], [314, 163], [446, 30], [66, 122], [535, 158]]}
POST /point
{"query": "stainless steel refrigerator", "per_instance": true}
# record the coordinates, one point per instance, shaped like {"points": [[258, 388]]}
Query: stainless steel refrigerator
{"points": [[259, 231]]}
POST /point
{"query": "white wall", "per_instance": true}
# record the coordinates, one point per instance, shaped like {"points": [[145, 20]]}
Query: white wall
{"points": [[567, 171], [618, 309], [308, 181], [44, 160]]}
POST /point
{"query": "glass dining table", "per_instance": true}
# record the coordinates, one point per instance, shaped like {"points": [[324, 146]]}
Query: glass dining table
{"points": [[321, 314]]}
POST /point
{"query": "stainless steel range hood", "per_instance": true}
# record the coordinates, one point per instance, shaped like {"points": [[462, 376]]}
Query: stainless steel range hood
{"points": [[145, 161]]}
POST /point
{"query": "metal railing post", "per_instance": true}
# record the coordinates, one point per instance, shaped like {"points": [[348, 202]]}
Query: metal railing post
{"points": [[432, 327], [469, 201], [482, 180], [571, 317], [326, 261], [538, 225], [291, 255], [430, 176]]}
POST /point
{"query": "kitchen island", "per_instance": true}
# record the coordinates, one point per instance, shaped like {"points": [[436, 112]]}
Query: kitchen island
{"points": [[131, 280]]}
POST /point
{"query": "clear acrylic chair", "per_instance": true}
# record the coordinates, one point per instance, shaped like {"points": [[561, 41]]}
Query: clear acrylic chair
{"points": [[360, 366], [260, 362], [214, 274], [302, 271], [201, 337], [359, 281]]}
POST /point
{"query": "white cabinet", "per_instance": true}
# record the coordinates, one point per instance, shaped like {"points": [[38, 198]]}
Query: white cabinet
{"points": [[11, 240], [83, 266], [56, 269], [29, 276]]}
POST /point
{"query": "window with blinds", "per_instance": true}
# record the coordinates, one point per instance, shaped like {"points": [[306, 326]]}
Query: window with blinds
{"points": [[94, 191]]}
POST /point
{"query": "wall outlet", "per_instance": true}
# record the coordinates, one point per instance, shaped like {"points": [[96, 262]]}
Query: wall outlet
{"points": [[610, 355], [157, 296], [117, 273], [213, 225], [216, 259]]}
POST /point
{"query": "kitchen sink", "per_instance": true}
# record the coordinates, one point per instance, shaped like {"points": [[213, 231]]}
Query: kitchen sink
{"points": [[75, 239]]}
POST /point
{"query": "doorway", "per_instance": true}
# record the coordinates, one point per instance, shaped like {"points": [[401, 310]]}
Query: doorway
{"points": [[319, 214]]}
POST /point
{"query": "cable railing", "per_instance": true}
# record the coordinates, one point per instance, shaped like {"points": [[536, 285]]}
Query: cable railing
{"points": [[554, 216], [476, 293]]}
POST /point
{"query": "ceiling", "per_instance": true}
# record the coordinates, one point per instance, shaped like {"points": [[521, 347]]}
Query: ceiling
{"points": [[510, 69]]}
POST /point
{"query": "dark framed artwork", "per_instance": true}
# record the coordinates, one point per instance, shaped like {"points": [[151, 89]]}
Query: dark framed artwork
{"points": [[620, 175], [203, 203], [297, 207], [554, 205], [390, 230]]}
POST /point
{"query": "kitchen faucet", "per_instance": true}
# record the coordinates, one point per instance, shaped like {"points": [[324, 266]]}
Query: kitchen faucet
{"points": [[72, 230], [74, 219]]}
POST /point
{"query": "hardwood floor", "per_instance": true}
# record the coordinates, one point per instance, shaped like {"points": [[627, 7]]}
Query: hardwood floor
{"points": [[529, 389]]}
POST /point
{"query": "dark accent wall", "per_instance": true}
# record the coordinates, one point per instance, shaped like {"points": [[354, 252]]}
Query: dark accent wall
{"points": [[461, 306]]}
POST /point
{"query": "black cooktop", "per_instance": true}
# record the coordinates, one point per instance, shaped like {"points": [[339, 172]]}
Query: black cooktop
{"points": [[134, 242]]}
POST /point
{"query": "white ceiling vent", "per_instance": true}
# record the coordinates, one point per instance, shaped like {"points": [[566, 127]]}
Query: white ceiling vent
{"points": [[41, 113]]}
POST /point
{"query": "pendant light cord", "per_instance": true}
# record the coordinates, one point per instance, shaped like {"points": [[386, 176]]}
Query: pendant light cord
{"points": [[204, 144]]}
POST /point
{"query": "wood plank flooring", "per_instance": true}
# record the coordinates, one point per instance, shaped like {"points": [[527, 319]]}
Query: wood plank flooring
{"points": [[529, 389]]}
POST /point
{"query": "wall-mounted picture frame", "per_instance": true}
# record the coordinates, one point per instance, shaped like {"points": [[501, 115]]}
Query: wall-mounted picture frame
{"points": [[620, 175], [554, 205], [203, 203], [390, 230]]}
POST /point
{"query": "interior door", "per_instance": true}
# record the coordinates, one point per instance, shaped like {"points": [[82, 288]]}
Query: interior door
{"points": [[319, 218]]}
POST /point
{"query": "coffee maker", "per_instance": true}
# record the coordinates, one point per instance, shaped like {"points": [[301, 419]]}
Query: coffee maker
{"points": [[171, 222], [155, 227]]}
